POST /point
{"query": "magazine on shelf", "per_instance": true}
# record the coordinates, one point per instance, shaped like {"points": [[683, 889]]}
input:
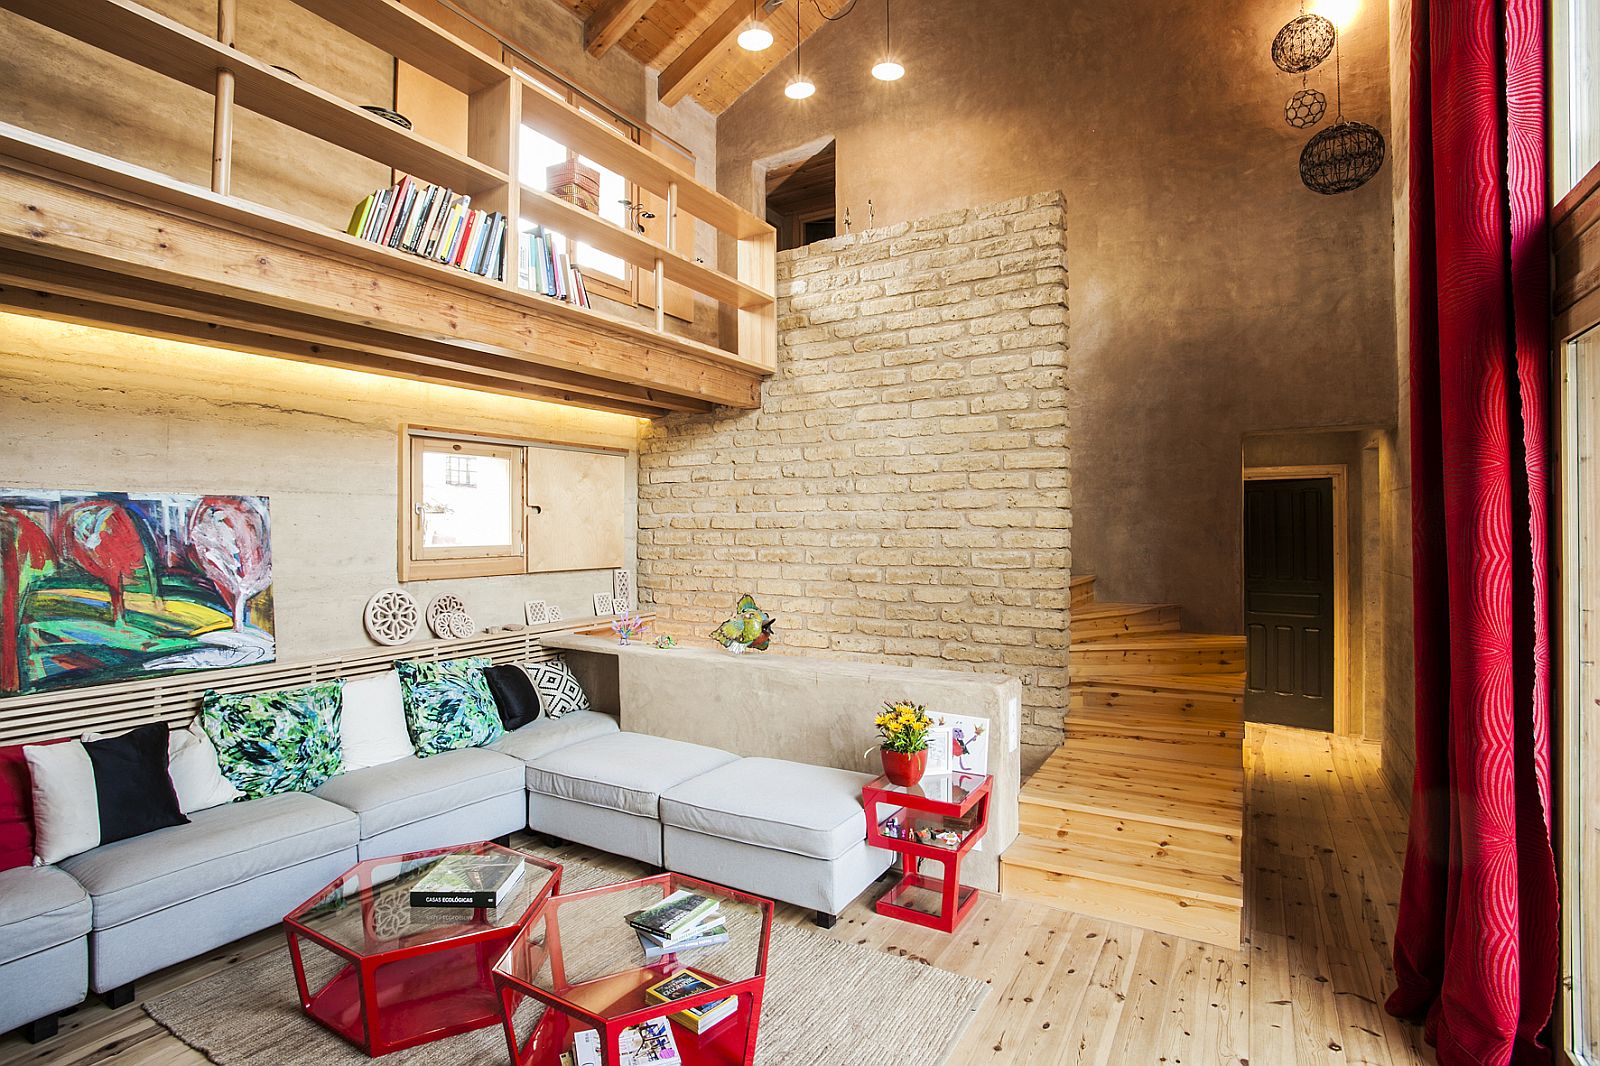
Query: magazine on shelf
{"points": [[687, 983]]}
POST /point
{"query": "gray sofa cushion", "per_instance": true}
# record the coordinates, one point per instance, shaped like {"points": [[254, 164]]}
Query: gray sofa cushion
{"points": [[623, 771], [410, 790], [40, 908], [545, 735], [219, 848], [790, 806]]}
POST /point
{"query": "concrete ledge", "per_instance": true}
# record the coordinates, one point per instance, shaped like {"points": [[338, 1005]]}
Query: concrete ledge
{"points": [[801, 708]]}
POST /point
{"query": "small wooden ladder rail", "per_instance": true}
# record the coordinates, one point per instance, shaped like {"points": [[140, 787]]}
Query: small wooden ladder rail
{"points": [[1138, 816]]}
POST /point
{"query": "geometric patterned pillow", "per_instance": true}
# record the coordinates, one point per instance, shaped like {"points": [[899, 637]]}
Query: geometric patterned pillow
{"points": [[559, 691], [448, 704], [272, 742]]}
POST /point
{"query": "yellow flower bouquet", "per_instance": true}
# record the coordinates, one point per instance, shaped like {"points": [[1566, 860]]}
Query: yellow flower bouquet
{"points": [[903, 727]]}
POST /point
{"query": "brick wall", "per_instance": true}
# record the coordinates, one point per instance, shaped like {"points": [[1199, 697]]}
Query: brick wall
{"points": [[902, 494]]}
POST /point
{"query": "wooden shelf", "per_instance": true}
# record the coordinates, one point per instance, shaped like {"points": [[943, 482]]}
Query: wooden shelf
{"points": [[608, 147], [574, 222], [91, 235], [184, 251], [152, 40]]}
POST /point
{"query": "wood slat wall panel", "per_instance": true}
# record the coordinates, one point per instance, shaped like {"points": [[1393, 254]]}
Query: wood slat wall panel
{"points": [[176, 698]]}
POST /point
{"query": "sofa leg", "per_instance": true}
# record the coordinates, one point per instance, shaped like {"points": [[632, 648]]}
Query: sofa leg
{"points": [[118, 997], [504, 841], [550, 840], [42, 1028], [825, 920]]}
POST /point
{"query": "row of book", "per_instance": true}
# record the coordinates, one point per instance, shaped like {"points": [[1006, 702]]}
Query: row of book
{"points": [[543, 269], [432, 222], [652, 1042]]}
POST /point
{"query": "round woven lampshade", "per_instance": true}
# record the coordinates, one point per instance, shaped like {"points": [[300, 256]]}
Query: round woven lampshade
{"points": [[1306, 41], [1305, 109], [1342, 157]]}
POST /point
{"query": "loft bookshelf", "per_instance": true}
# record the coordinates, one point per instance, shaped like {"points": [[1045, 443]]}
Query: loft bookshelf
{"points": [[87, 237]]}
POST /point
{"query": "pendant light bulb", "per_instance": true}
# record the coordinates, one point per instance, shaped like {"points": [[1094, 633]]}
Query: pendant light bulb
{"points": [[799, 89], [887, 69], [755, 37]]}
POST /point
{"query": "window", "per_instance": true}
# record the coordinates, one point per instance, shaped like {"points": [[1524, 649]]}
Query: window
{"points": [[1575, 183], [480, 507], [467, 503], [538, 153]]}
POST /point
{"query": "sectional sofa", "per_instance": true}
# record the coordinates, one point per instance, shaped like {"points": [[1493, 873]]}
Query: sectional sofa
{"points": [[110, 916]]}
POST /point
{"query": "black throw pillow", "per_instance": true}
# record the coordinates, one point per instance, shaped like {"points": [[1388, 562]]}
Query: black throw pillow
{"points": [[132, 786], [513, 695]]}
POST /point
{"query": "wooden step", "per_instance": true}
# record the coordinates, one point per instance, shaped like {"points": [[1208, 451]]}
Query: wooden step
{"points": [[1098, 697], [1081, 590], [1193, 876], [1159, 653], [1129, 836], [1107, 621], [1226, 686], [1106, 892]]}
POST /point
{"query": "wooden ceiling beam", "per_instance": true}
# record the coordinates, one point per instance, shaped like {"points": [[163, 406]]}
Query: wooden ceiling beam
{"points": [[690, 68], [611, 22]]}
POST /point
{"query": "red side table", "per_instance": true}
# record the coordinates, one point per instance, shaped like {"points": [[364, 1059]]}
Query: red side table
{"points": [[941, 819]]}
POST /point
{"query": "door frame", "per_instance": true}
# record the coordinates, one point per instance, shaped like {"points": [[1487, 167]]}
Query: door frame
{"points": [[1339, 474]]}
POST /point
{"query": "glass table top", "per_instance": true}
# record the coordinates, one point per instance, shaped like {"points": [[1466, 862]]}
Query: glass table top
{"points": [[952, 788], [368, 911], [581, 951]]}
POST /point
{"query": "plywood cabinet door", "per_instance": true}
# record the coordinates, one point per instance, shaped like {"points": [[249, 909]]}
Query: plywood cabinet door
{"points": [[576, 510]]}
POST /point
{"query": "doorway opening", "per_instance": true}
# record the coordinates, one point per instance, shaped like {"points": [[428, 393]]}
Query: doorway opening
{"points": [[1295, 592], [801, 198]]}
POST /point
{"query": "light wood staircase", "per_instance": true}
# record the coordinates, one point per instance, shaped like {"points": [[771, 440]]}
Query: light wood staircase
{"points": [[1138, 816]]}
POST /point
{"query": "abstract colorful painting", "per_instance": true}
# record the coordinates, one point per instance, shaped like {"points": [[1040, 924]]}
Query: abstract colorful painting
{"points": [[111, 586]]}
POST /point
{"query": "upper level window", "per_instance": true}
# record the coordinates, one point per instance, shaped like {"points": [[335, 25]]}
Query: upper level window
{"points": [[540, 154]]}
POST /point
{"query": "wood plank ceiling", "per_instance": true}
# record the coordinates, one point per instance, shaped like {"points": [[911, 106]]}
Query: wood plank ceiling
{"points": [[692, 42]]}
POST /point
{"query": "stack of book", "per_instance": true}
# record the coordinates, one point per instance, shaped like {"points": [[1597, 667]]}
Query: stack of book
{"points": [[477, 881], [687, 983], [646, 1044], [432, 222], [682, 921], [543, 269]]}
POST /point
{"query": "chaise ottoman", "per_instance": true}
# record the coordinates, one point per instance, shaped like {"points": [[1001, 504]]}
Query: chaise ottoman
{"points": [[44, 947], [606, 792], [787, 830]]}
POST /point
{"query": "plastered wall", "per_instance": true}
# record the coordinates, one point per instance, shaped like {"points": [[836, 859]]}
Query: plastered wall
{"points": [[1212, 294], [84, 408]]}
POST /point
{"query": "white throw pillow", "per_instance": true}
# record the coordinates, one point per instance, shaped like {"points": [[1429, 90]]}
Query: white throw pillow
{"points": [[66, 813], [372, 727], [196, 777]]}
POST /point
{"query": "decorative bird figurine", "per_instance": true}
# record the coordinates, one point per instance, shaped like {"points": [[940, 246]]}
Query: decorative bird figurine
{"points": [[750, 627]]}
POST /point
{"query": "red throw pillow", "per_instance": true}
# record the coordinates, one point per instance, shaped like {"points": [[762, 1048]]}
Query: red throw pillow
{"points": [[16, 810]]}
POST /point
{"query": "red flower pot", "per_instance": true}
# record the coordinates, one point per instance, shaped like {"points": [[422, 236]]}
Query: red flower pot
{"points": [[904, 769]]}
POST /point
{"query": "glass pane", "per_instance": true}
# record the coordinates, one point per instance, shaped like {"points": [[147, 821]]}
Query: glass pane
{"points": [[466, 500], [538, 154], [1581, 800], [1575, 92], [613, 191]]}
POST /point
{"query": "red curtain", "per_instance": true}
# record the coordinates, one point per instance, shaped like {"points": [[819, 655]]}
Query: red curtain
{"points": [[1476, 948]]}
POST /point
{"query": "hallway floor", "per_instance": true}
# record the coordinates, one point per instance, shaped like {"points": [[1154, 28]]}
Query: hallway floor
{"points": [[1322, 878]]}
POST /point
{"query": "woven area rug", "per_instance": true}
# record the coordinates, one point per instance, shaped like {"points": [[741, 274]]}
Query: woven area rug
{"points": [[827, 1002]]}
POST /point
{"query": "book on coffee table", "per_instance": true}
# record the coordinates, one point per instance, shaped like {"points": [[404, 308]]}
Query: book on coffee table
{"points": [[477, 881], [672, 916], [687, 983]]}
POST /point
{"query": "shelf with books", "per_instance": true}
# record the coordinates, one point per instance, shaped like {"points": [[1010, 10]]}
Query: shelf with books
{"points": [[637, 249], [260, 279]]}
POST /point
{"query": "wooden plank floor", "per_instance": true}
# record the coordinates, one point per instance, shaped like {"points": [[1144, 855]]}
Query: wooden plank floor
{"points": [[1321, 859]]}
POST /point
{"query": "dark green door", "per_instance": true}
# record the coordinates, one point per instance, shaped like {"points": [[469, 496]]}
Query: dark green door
{"points": [[1288, 602]]}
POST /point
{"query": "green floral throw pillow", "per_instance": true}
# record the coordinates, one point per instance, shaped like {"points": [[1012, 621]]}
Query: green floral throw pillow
{"points": [[272, 742], [448, 704]]}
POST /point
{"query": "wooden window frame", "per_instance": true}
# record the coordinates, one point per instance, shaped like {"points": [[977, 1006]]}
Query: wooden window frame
{"points": [[418, 561]]}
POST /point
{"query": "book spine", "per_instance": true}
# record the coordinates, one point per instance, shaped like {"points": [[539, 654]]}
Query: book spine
{"points": [[396, 209], [483, 900], [415, 232], [358, 218]]}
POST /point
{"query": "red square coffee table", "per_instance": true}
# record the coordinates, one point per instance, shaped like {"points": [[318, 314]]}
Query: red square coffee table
{"points": [[580, 958], [955, 804], [405, 975]]}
